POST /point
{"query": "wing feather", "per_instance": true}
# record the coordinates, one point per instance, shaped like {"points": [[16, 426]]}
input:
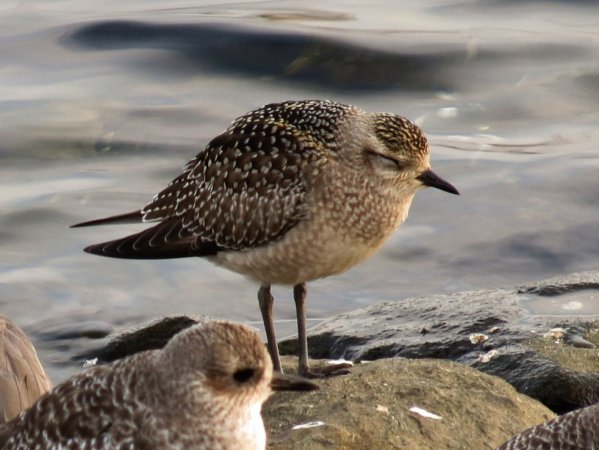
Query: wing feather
{"points": [[242, 191], [245, 189], [77, 411]]}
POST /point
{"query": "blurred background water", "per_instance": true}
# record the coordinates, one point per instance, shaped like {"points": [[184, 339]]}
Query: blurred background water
{"points": [[102, 103]]}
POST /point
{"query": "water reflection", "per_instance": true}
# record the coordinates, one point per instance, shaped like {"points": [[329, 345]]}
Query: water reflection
{"points": [[579, 303]]}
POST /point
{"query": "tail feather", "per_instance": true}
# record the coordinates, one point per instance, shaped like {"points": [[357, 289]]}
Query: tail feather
{"points": [[157, 242], [130, 217]]}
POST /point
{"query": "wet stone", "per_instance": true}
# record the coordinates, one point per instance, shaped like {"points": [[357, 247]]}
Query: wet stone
{"points": [[150, 336], [552, 358], [401, 404], [561, 370]]}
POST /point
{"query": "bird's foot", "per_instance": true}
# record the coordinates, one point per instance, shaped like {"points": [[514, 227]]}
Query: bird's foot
{"points": [[331, 370]]}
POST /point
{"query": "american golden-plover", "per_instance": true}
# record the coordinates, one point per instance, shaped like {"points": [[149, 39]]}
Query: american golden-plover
{"points": [[289, 193], [576, 430], [204, 390]]}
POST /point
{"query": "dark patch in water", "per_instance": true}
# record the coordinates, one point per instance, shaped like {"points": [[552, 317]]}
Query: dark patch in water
{"points": [[311, 59], [89, 329], [559, 289]]}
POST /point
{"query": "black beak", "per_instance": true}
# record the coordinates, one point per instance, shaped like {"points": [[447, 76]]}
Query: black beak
{"points": [[284, 382], [430, 178]]}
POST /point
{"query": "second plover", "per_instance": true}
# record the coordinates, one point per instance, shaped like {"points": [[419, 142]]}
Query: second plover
{"points": [[576, 430], [204, 390]]}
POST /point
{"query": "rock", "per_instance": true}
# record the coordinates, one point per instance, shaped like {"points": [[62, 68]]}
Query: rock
{"points": [[549, 357], [370, 409], [489, 330], [149, 336]]}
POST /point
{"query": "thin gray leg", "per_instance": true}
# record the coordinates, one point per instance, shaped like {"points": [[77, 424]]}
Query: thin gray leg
{"points": [[266, 300], [299, 295]]}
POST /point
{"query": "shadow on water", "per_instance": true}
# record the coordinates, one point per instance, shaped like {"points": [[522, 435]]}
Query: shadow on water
{"points": [[314, 60], [311, 59]]}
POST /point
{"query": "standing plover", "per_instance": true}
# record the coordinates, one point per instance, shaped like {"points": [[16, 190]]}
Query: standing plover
{"points": [[289, 193]]}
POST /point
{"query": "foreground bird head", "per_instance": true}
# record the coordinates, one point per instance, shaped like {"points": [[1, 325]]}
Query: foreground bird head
{"points": [[225, 361], [221, 373], [203, 390], [400, 152]]}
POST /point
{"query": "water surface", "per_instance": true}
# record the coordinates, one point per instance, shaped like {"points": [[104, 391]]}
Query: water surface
{"points": [[102, 103]]}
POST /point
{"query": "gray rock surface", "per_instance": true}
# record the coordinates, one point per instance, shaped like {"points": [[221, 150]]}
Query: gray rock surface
{"points": [[490, 330], [550, 356], [373, 408]]}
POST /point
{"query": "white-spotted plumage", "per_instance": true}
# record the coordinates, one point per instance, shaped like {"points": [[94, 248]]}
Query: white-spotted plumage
{"points": [[290, 192]]}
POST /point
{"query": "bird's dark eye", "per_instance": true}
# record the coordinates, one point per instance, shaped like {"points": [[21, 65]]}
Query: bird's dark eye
{"points": [[244, 375]]}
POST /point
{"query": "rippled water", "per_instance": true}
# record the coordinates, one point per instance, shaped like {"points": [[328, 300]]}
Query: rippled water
{"points": [[573, 304], [101, 103]]}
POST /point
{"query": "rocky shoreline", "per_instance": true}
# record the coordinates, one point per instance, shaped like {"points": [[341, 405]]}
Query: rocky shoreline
{"points": [[479, 362], [552, 358]]}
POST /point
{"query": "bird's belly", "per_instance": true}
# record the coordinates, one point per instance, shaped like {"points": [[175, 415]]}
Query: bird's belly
{"points": [[305, 253]]}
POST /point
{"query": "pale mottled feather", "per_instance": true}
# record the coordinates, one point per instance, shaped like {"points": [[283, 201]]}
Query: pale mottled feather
{"points": [[576, 430], [203, 390], [22, 377]]}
